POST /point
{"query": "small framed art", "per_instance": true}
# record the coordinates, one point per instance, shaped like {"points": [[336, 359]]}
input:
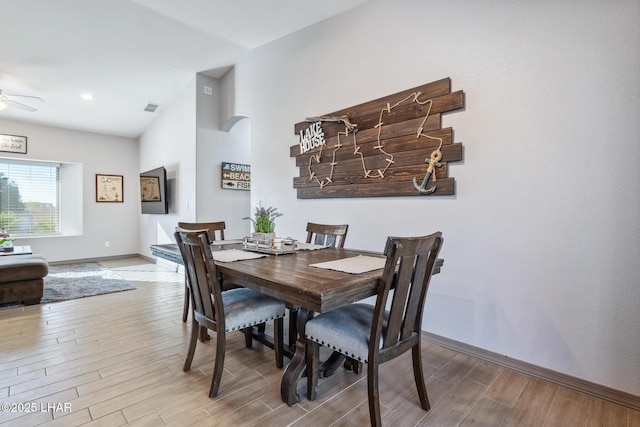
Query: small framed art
{"points": [[109, 188], [13, 144]]}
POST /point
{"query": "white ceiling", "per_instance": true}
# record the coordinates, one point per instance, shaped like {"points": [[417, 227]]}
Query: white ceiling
{"points": [[128, 53]]}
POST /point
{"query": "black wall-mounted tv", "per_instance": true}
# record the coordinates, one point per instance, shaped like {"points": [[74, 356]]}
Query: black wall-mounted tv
{"points": [[153, 191]]}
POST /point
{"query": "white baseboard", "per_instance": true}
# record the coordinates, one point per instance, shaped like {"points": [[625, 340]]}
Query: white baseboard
{"points": [[592, 389], [98, 259]]}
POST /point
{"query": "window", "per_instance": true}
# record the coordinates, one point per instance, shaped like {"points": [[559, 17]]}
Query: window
{"points": [[29, 197]]}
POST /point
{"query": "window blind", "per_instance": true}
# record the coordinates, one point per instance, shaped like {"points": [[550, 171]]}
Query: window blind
{"points": [[29, 197]]}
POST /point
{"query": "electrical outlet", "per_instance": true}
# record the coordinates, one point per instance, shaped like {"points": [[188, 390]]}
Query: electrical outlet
{"points": [[208, 90], [107, 244]]}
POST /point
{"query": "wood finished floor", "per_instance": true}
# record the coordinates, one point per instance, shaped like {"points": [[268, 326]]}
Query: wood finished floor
{"points": [[117, 360]]}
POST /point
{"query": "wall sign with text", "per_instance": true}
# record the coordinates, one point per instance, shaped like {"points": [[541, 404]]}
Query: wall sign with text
{"points": [[391, 146], [236, 176], [13, 144]]}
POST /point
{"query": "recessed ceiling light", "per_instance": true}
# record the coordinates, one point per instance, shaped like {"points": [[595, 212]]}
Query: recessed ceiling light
{"points": [[87, 96]]}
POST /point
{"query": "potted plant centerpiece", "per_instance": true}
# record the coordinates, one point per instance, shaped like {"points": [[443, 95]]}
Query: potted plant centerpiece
{"points": [[264, 223], [6, 242]]}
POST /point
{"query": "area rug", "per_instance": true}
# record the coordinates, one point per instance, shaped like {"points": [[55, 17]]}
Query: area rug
{"points": [[79, 280]]}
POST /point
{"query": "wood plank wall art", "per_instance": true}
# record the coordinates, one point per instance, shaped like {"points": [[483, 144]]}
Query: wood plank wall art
{"points": [[391, 146]]}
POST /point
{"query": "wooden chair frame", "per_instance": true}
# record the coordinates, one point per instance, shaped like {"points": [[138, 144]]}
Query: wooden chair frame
{"points": [[212, 228], [319, 234], [327, 235], [208, 306], [408, 270]]}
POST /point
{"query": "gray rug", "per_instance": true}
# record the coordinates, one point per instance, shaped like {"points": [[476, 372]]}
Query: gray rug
{"points": [[79, 280]]}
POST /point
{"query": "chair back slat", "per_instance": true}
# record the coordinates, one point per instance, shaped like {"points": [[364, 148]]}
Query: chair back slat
{"points": [[403, 274], [204, 286], [408, 270], [325, 240], [215, 229], [326, 234], [414, 302]]}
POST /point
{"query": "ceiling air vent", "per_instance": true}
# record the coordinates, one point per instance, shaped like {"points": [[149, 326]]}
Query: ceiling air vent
{"points": [[151, 107]]}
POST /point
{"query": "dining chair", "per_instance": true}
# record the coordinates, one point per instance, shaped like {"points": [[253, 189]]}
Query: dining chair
{"points": [[373, 334], [327, 235], [319, 234], [212, 228], [223, 312], [215, 228]]}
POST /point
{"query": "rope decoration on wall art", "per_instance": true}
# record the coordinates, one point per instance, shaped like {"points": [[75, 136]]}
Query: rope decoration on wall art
{"points": [[350, 128], [376, 147]]}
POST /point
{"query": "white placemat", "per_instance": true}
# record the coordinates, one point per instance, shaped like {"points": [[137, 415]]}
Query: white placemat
{"points": [[354, 265], [225, 242], [230, 255], [302, 246]]}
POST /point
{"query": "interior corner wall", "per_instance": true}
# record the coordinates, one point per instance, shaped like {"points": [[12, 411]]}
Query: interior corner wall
{"points": [[170, 141], [215, 146], [541, 241], [227, 96], [100, 222]]}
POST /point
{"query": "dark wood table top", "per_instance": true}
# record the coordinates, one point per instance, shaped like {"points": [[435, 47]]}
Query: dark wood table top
{"points": [[290, 278]]}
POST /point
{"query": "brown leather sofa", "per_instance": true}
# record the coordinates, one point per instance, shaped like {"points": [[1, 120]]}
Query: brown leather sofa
{"points": [[22, 278]]}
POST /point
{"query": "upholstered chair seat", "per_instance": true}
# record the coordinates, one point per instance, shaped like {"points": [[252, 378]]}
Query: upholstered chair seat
{"points": [[346, 330], [244, 308]]}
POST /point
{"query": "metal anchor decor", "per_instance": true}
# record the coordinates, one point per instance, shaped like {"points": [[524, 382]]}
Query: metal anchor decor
{"points": [[433, 161]]}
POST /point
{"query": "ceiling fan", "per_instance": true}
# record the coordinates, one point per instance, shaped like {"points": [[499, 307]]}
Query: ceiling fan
{"points": [[7, 101]]}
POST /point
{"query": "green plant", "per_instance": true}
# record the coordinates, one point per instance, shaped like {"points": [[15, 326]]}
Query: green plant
{"points": [[3, 240], [8, 220], [264, 221], [47, 226]]}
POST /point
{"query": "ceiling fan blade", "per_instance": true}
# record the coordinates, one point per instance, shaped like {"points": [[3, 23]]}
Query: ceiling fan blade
{"points": [[12, 103], [37, 98]]}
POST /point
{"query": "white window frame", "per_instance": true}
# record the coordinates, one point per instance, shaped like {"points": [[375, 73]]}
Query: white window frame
{"points": [[70, 210]]}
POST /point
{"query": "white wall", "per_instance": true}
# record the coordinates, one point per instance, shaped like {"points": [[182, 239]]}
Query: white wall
{"points": [[171, 142], [100, 222], [215, 146], [541, 239], [186, 139]]}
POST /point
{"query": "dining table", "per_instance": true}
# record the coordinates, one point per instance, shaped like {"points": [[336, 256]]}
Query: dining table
{"points": [[298, 280]]}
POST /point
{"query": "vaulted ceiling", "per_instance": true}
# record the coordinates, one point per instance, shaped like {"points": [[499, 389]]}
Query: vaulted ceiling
{"points": [[127, 53]]}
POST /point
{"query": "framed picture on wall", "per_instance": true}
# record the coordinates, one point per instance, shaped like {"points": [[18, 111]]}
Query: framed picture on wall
{"points": [[13, 144], [150, 189], [109, 188]]}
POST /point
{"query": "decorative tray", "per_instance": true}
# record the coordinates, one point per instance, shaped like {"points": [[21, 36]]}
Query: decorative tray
{"points": [[277, 246]]}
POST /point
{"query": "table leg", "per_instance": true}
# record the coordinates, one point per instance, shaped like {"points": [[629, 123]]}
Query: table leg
{"points": [[329, 366], [353, 365], [298, 364], [293, 327]]}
